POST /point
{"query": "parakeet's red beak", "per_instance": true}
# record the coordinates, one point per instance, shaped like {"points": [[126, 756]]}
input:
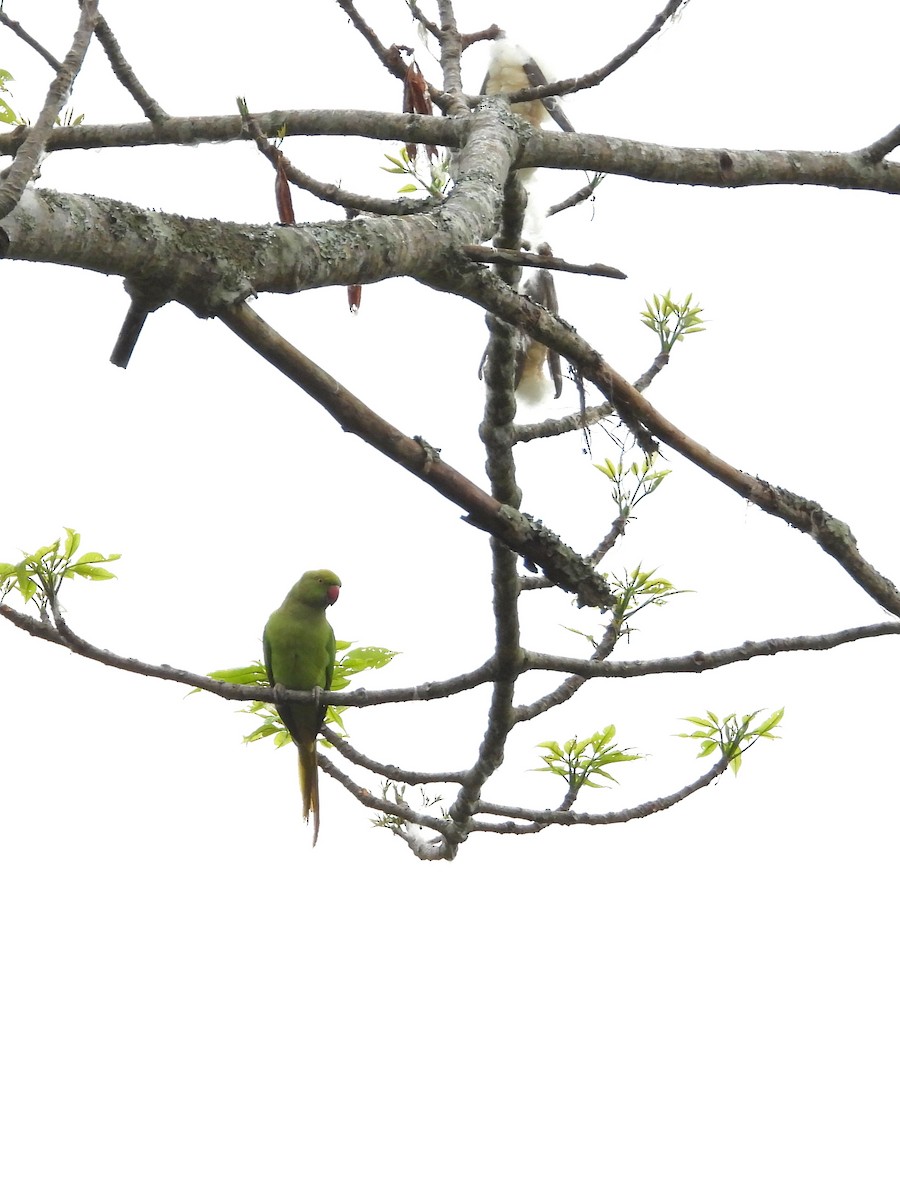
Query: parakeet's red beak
{"points": [[333, 593]]}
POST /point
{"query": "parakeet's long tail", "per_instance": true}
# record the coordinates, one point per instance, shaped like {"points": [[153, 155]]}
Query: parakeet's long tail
{"points": [[307, 760]]}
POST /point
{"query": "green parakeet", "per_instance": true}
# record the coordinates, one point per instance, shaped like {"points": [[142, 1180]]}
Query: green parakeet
{"points": [[298, 645]]}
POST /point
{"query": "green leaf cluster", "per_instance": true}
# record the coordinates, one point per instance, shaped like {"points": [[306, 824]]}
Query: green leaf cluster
{"points": [[732, 737], [672, 321], [581, 761], [351, 662], [637, 589], [7, 116], [38, 577], [435, 184], [632, 482]]}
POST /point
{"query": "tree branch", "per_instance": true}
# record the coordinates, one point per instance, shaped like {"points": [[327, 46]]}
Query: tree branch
{"points": [[522, 258], [125, 74], [884, 145], [554, 426], [521, 534], [347, 750], [708, 167], [29, 41], [440, 849], [541, 819], [495, 432], [698, 166], [360, 698], [30, 151], [567, 689], [565, 87], [706, 660], [396, 206], [808, 516], [583, 193]]}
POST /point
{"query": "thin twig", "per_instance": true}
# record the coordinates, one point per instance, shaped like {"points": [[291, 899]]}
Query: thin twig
{"points": [[433, 29], [391, 58], [397, 206], [708, 660], [542, 819], [566, 87], [365, 797], [482, 35], [661, 360], [388, 55], [564, 691], [606, 544], [583, 193], [416, 778], [554, 426], [30, 41], [125, 74], [523, 258]]}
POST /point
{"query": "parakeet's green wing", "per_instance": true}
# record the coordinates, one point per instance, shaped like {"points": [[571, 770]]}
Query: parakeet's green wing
{"points": [[267, 657], [329, 675]]}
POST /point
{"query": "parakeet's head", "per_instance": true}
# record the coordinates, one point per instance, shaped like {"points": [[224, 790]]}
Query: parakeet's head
{"points": [[318, 589]]}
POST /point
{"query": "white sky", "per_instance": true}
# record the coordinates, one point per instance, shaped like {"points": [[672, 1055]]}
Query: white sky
{"points": [[704, 1003]]}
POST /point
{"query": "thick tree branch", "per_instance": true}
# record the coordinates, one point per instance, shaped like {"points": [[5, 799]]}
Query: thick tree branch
{"points": [[808, 516], [195, 130], [708, 167], [208, 264], [495, 431], [521, 534], [699, 166]]}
